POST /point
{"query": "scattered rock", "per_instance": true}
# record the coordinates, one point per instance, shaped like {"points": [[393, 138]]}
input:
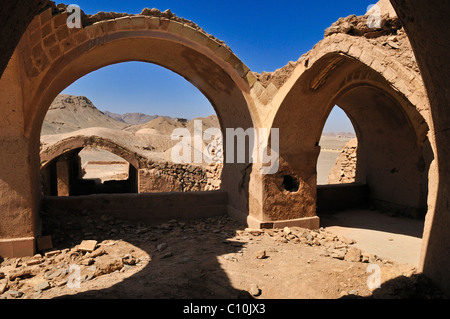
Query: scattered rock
{"points": [[353, 292], [3, 286], [365, 257], [353, 254], [106, 266], [87, 246], [270, 232], [230, 258], [167, 255], [287, 230], [129, 260], [281, 239], [338, 254], [34, 262], [22, 273], [54, 273], [162, 247], [52, 253], [261, 254], [44, 285], [87, 261], [254, 290], [393, 45], [347, 241], [15, 294]]}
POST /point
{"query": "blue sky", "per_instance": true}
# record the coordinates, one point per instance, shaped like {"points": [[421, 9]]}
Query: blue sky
{"points": [[265, 35]]}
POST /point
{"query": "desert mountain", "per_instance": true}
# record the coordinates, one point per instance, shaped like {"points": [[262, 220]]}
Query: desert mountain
{"points": [[132, 118], [160, 125], [70, 113]]}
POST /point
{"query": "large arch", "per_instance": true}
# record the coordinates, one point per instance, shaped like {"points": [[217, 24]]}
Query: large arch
{"points": [[79, 142], [50, 57], [390, 120], [420, 20]]}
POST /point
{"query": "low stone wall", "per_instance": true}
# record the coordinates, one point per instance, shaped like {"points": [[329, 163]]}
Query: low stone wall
{"points": [[169, 177], [147, 208], [344, 171]]}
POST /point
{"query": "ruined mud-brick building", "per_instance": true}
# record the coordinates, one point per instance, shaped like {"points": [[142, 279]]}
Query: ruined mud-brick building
{"points": [[392, 82]]}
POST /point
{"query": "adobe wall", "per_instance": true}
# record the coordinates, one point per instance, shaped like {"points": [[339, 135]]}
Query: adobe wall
{"points": [[344, 170], [373, 76], [147, 208], [152, 176], [50, 56], [424, 22]]}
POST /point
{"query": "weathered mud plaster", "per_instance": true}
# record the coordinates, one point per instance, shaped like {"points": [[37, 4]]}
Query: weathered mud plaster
{"points": [[343, 66]]}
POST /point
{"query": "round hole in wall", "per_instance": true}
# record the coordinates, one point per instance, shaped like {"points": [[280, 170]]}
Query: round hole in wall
{"points": [[290, 183]]}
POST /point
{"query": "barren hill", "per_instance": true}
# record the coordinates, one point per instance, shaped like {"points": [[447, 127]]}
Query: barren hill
{"points": [[160, 125], [70, 113], [132, 118]]}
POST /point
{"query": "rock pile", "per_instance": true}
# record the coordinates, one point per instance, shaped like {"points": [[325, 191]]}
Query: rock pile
{"points": [[344, 171], [57, 268], [334, 246], [214, 176], [358, 26], [95, 252], [169, 177]]}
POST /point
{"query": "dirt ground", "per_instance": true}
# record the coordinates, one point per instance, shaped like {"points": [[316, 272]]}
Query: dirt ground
{"points": [[214, 258]]}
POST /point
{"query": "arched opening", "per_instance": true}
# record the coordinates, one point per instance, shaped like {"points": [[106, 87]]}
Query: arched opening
{"points": [[142, 116], [338, 184], [204, 62], [393, 153], [392, 162], [391, 168], [88, 171], [337, 162], [387, 198]]}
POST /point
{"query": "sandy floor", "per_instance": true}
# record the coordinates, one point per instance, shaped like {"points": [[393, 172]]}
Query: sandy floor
{"points": [[395, 238], [326, 161], [213, 258]]}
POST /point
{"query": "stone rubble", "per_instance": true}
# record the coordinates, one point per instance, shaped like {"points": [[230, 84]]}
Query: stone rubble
{"points": [[344, 171], [23, 278]]}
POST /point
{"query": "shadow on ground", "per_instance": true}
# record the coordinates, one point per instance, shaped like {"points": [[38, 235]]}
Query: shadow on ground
{"points": [[415, 287], [187, 269], [374, 220]]}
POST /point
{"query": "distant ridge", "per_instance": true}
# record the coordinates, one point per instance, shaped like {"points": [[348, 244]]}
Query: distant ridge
{"points": [[132, 118], [70, 113]]}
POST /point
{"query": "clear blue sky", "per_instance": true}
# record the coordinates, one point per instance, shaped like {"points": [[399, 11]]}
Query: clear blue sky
{"points": [[265, 35]]}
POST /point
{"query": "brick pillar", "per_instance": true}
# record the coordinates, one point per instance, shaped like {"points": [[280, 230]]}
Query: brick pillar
{"points": [[63, 176], [19, 181], [18, 202]]}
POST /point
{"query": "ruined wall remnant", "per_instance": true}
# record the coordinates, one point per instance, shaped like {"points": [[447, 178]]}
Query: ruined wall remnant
{"points": [[170, 177], [344, 171]]}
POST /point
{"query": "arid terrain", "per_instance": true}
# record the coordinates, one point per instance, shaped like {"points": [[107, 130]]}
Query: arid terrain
{"points": [[213, 258], [93, 256], [149, 135]]}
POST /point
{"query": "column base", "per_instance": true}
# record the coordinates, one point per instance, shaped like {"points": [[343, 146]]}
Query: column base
{"points": [[17, 247], [254, 223]]}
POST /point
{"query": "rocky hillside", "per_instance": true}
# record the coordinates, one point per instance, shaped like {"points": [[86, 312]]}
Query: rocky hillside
{"points": [[132, 118], [70, 113]]}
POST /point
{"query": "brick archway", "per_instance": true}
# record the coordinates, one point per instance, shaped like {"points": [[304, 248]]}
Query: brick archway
{"points": [[392, 128], [50, 57], [79, 142]]}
